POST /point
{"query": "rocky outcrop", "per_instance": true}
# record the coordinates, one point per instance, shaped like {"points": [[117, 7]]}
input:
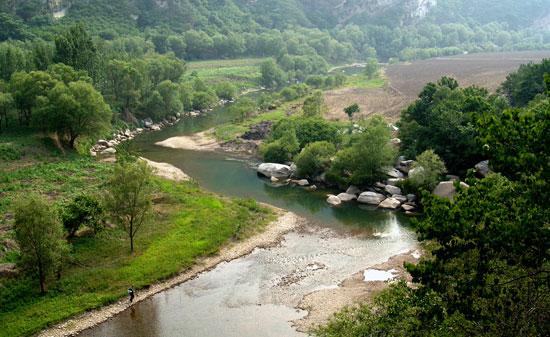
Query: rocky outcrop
{"points": [[446, 189], [390, 203], [278, 171], [353, 190], [371, 198], [346, 197], [333, 200], [392, 189], [482, 168], [259, 131]]}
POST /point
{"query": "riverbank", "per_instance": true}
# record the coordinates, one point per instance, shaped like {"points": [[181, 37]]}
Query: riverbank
{"points": [[271, 236], [201, 141]]}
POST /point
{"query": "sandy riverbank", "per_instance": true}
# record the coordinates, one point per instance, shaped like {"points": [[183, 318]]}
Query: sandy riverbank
{"points": [[271, 236], [202, 141], [167, 171], [322, 304]]}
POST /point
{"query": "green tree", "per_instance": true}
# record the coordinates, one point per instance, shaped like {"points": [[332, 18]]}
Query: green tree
{"points": [[527, 82], [12, 59], [271, 75], [74, 47], [169, 92], [124, 85], [352, 110], [314, 105], [83, 210], [315, 158], [73, 111], [39, 235], [363, 161], [129, 196], [226, 90], [281, 150], [26, 88], [372, 68], [6, 105], [428, 169]]}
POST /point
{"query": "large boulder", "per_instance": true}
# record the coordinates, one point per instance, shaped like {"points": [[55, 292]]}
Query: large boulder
{"points": [[333, 200], [148, 123], [278, 171], [482, 168], [103, 142], [301, 182], [8, 269], [347, 197], [371, 198], [393, 173], [108, 152], [394, 181], [446, 189], [416, 172], [400, 197], [353, 190], [392, 189], [390, 203]]}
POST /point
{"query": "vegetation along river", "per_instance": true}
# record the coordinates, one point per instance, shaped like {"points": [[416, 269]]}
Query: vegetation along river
{"points": [[258, 294]]}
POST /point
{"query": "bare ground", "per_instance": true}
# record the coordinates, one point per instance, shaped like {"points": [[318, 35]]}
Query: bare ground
{"points": [[167, 171], [323, 304], [271, 236], [406, 80], [202, 141]]}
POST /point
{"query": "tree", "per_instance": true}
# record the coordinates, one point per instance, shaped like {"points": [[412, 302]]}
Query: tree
{"points": [[12, 59], [372, 68], [363, 161], [124, 85], [271, 75], [523, 85], [428, 169], [281, 150], [226, 90], [129, 197], [74, 47], [73, 110], [314, 105], [26, 88], [83, 210], [352, 110], [169, 92], [39, 235], [315, 158], [6, 105]]}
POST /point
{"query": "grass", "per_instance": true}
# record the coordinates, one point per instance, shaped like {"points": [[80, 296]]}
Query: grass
{"points": [[243, 72], [188, 223], [230, 131], [362, 82]]}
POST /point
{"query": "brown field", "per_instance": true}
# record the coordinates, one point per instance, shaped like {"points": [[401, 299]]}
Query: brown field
{"points": [[406, 80]]}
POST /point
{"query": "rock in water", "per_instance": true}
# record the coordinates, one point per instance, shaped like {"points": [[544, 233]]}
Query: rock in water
{"points": [[371, 198], [346, 197], [333, 200], [278, 171], [392, 189], [446, 189], [390, 203], [353, 190]]}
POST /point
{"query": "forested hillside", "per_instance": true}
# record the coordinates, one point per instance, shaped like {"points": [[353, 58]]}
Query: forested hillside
{"points": [[337, 30]]}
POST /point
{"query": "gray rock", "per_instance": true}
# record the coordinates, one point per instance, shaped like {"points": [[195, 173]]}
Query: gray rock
{"points": [[446, 189], [407, 208], [482, 168], [371, 198], [320, 178], [393, 173], [416, 172], [333, 200], [380, 185], [312, 188], [278, 171], [347, 197], [390, 203], [353, 190], [103, 142], [109, 151], [411, 197], [394, 181], [155, 127], [148, 123], [8, 269], [392, 189], [274, 180], [400, 197], [259, 131]]}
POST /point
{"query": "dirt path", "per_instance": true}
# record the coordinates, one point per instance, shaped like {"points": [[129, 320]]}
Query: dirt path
{"points": [[271, 236]]}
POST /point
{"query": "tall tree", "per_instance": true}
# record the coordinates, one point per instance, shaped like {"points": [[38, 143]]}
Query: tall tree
{"points": [[6, 105], [74, 47], [39, 234], [129, 196], [124, 86]]}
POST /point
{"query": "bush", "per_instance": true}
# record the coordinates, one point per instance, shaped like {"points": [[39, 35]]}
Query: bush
{"points": [[281, 150], [226, 90], [84, 210], [308, 130], [428, 169], [9, 152], [314, 158]]}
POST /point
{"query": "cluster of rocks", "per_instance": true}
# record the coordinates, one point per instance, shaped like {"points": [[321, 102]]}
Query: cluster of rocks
{"points": [[258, 131], [108, 147]]}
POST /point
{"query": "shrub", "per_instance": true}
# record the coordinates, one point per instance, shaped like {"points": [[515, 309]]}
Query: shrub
{"points": [[83, 210], [281, 150], [314, 158], [428, 169]]}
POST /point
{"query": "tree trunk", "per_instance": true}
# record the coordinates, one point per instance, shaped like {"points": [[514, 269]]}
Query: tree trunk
{"points": [[72, 139], [42, 278], [132, 236]]}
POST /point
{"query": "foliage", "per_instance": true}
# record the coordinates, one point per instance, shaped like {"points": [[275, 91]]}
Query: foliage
{"points": [[351, 110], [129, 197], [527, 82], [372, 69], [308, 130], [271, 75], [75, 48], [83, 210], [282, 149], [314, 158], [243, 108], [314, 105], [361, 163], [226, 90], [39, 236], [443, 119], [428, 170]]}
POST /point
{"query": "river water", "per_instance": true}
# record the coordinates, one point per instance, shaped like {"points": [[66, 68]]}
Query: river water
{"points": [[256, 295]]}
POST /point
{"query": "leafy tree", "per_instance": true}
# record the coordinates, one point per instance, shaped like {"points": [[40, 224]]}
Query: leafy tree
{"points": [[12, 59], [271, 75], [443, 119], [352, 110], [74, 47], [362, 162], [314, 105], [314, 158], [281, 150], [129, 197], [226, 90], [83, 210], [124, 85], [39, 235], [523, 85], [6, 105], [67, 74], [428, 170], [73, 110], [204, 100], [169, 92], [243, 108], [26, 88], [372, 68], [308, 130]]}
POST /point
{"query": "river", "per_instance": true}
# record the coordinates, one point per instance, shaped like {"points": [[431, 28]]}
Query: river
{"points": [[257, 295]]}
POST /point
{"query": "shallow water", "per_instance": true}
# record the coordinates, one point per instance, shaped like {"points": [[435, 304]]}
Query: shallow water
{"points": [[256, 295]]}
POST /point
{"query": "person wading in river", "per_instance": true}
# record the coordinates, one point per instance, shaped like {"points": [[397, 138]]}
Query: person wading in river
{"points": [[131, 294]]}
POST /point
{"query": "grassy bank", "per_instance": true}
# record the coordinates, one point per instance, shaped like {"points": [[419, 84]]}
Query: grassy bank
{"points": [[188, 223], [242, 72]]}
